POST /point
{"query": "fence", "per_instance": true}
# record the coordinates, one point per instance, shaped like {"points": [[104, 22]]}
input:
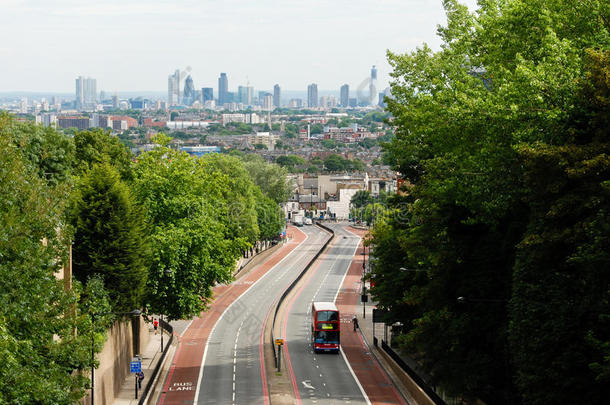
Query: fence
{"points": [[165, 326]]}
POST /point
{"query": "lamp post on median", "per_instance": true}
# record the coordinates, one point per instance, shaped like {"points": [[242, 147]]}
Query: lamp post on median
{"points": [[135, 312]]}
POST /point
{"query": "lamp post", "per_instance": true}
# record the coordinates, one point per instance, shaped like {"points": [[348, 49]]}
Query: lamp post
{"points": [[135, 312], [167, 273]]}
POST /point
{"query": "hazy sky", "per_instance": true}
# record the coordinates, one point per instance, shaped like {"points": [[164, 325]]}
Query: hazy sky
{"points": [[133, 45]]}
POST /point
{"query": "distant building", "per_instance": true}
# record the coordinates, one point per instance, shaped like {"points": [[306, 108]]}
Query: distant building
{"points": [[295, 103], [200, 150], [86, 93], [353, 102], [373, 85], [268, 102], [73, 122], [207, 94], [115, 102], [345, 95], [173, 88], [223, 89], [245, 94], [265, 138], [312, 95], [189, 91], [276, 96]]}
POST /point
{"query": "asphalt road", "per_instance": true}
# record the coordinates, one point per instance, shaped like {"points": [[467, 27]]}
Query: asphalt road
{"points": [[231, 367], [321, 378]]}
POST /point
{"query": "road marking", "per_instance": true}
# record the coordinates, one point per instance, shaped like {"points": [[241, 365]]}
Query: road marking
{"points": [[205, 351], [307, 384]]}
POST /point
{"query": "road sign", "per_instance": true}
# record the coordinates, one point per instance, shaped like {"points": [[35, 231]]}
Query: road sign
{"points": [[135, 365], [279, 341], [364, 298]]}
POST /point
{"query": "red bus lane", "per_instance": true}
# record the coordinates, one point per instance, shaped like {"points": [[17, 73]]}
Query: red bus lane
{"points": [[373, 378], [181, 382]]}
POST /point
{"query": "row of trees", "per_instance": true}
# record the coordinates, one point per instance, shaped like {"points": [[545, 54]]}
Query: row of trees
{"points": [[332, 163], [155, 232], [504, 135]]}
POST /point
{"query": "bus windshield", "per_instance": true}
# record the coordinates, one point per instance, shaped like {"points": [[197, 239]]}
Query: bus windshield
{"points": [[325, 316], [326, 337]]}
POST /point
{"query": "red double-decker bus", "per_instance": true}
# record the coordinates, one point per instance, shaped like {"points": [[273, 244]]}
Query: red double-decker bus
{"points": [[325, 327]]}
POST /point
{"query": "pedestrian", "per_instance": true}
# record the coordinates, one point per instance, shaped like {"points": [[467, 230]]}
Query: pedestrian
{"points": [[140, 376], [156, 325], [355, 322]]}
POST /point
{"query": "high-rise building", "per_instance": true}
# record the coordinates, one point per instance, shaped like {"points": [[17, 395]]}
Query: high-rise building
{"points": [[223, 89], [268, 102], [115, 102], [189, 91], [207, 94], [173, 88], [86, 93], [245, 94], [345, 95], [312, 95], [276, 96], [373, 85]]}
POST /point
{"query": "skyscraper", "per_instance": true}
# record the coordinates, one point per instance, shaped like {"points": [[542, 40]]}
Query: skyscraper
{"points": [[223, 88], [268, 102], [345, 95], [312, 95], [207, 94], [189, 91], [86, 93], [373, 85], [173, 88], [276, 96], [245, 94]]}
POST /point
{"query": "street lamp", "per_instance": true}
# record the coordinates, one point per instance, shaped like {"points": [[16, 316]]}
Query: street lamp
{"points": [[135, 312]]}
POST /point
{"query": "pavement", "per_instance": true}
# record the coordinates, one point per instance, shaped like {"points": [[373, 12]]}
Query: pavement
{"points": [[150, 357], [152, 352]]}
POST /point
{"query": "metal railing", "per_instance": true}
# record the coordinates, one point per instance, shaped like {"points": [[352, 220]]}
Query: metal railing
{"points": [[165, 326]]}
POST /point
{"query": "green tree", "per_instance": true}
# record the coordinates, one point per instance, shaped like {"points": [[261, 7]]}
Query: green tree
{"points": [[194, 239], [361, 199], [110, 238], [40, 353], [272, 179], [98, 146], [501, 134], [335, 163]]}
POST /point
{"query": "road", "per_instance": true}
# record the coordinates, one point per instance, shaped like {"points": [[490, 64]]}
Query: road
{"points": [[232, 371], [321, 378]]}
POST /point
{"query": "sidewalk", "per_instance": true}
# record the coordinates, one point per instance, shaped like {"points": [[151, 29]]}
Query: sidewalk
{"points": [[150, 357], [373, 381]]}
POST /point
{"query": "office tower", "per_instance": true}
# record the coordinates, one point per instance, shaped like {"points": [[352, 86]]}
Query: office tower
{"points": [[223, 89], [276, 96], [268, 102], [345, 95], [173, 88], [115, 102], [189, 91], [312, 95], [86, 93], [373, 85], [207, 94], [245, 94]]}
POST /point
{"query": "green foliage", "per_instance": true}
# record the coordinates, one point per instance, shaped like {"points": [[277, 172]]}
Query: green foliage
{"points": [[289, 161], [49, 152], [110, 238], [197, 231], [98, 146], [361, 199], [270, 178], [504, 135], [35, 366]]}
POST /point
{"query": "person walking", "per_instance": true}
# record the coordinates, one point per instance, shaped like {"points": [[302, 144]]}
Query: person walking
{"points": [[355, 322], [140, 376], [156, 325]]}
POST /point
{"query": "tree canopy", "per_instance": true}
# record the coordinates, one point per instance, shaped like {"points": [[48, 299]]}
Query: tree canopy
{"points": [[503, 133]]}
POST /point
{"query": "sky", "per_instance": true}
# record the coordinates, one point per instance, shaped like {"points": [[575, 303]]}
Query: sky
{"points": [[133, 45]]}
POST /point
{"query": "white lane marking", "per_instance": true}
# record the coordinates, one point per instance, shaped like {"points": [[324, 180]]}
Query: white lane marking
{"points": [[205, 351], [307, 384], [366, 398]]}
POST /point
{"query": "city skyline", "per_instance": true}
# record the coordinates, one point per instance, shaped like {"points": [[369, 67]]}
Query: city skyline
{"points": [[137, 44]]}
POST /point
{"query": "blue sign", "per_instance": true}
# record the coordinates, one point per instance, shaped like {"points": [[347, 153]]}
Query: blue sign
{"points": [[135, 366]]}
